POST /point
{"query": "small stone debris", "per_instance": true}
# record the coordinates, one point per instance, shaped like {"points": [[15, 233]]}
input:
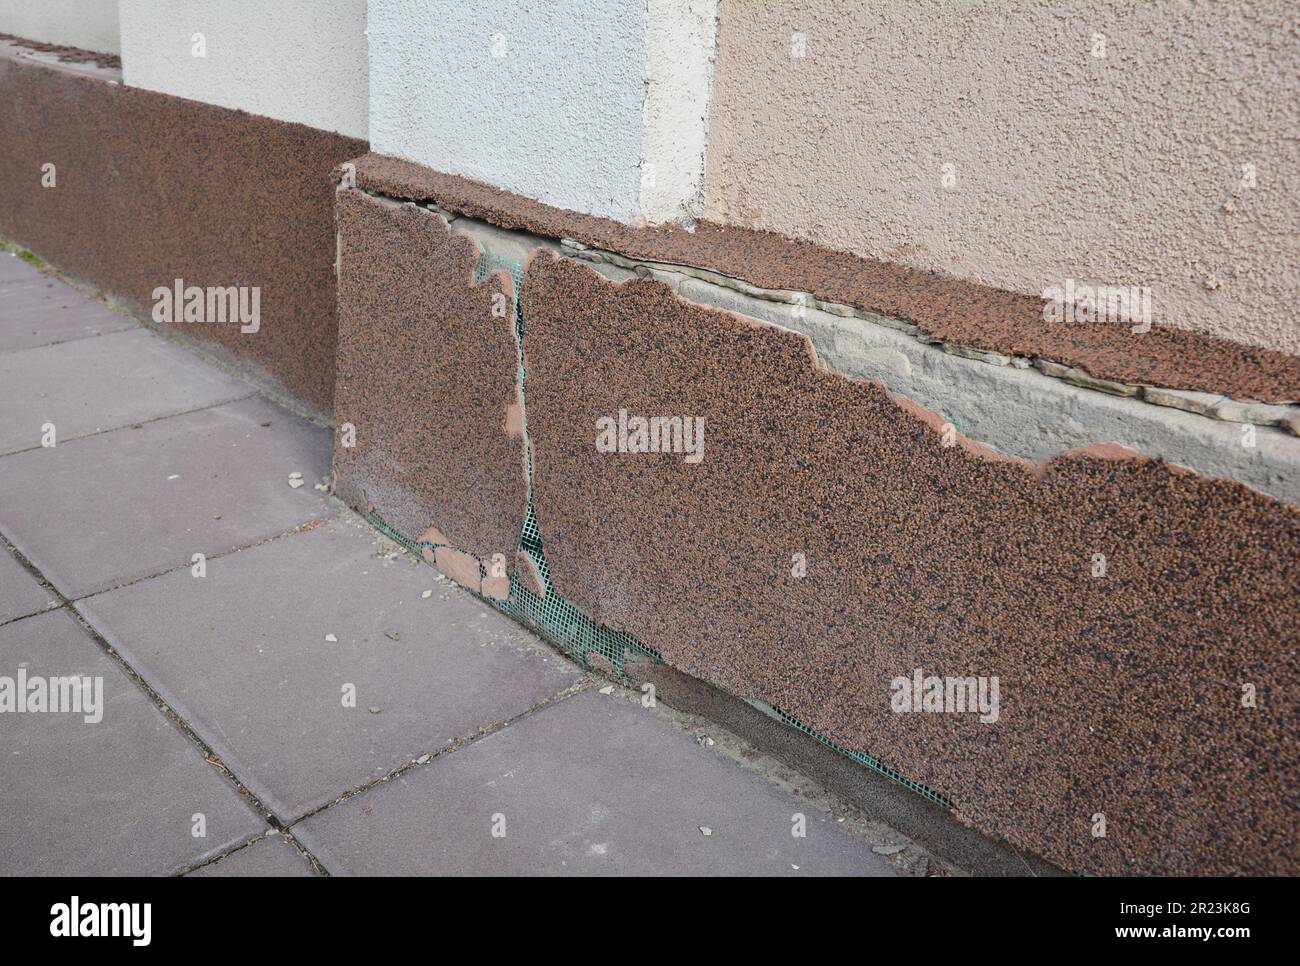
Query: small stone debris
{"points": [[321, 486], [392, 635], [704, 741], [887, 849], [332, 638], [295, 483], [422, 760], [706, 830], [295, 475], [427, 594], [607, 689], [373, 710], [216, 516]]}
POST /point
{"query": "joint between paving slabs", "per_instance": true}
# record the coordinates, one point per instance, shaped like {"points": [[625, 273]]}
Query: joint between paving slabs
{"points": [[138, 423], [483, 731], [162, 705], [311, 524], [317, 866], [6, 545]]}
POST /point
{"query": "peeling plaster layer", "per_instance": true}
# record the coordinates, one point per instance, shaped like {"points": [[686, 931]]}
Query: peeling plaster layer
{"points": [[838, 123], [949, 310], [87, 24], [293, 60], [428, 367], [1119, 694], [1019, 411], [1015, 411]]}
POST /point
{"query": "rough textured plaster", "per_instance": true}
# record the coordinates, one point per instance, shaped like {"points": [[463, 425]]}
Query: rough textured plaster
{"points": [[956, 312], [1022, 412], [679, 80], [151, 188], [1120, 171], [1119, 694], [428, 369], [88, 24], [1014, 411], [293, 60], [558, 116]]}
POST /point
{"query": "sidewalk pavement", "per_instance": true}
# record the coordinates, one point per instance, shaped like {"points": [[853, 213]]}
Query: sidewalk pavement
{"points": [[226, 742]]}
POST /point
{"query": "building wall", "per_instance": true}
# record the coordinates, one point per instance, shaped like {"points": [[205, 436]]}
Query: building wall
{"points": [[1125, 169], [902, 471], [292, 60], [88, 24], [847, 522], [679, 81], [152, 188], [544, 99]]}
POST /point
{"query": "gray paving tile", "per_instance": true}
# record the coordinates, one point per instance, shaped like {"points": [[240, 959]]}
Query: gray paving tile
{"points": [[273, 856], [15, 269], [43, 311], [99, 511], [89, 385], [20, 594], [113, 797], [242, 653], [590, 785]]}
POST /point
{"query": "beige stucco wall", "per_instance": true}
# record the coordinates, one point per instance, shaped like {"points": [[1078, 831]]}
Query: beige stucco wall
{"points": [[1124, 169], [88, 24]]}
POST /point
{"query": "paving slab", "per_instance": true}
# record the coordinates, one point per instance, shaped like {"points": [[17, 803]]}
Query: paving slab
{"points": [[20, 594], [112, 797], [43, 311], [272, 856], [96, 512], [91, 385], [590, 785], [243, 655], [15, 269]]}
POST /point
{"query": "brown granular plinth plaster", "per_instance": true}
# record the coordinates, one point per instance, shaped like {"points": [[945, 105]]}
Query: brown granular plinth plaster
{"points": [[428, 376], [948, 309], [151, 188], [1119, 695]]}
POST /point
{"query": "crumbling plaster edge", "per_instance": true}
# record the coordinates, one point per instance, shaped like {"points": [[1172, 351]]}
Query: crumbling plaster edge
{"points": [[1201, 403], [1025, 410]]}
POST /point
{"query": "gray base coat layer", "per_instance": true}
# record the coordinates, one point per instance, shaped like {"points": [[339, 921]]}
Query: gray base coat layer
{"points": [[1015, 411]]}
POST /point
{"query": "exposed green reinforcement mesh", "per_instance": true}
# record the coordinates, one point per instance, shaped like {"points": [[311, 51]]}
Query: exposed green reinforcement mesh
{"points": [[560, 621], [864, 759]]}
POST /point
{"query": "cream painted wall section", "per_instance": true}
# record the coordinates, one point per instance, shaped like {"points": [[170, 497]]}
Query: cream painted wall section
{"points": [[1025, 142], [295, 60], [88, 24], [680, 47]]}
